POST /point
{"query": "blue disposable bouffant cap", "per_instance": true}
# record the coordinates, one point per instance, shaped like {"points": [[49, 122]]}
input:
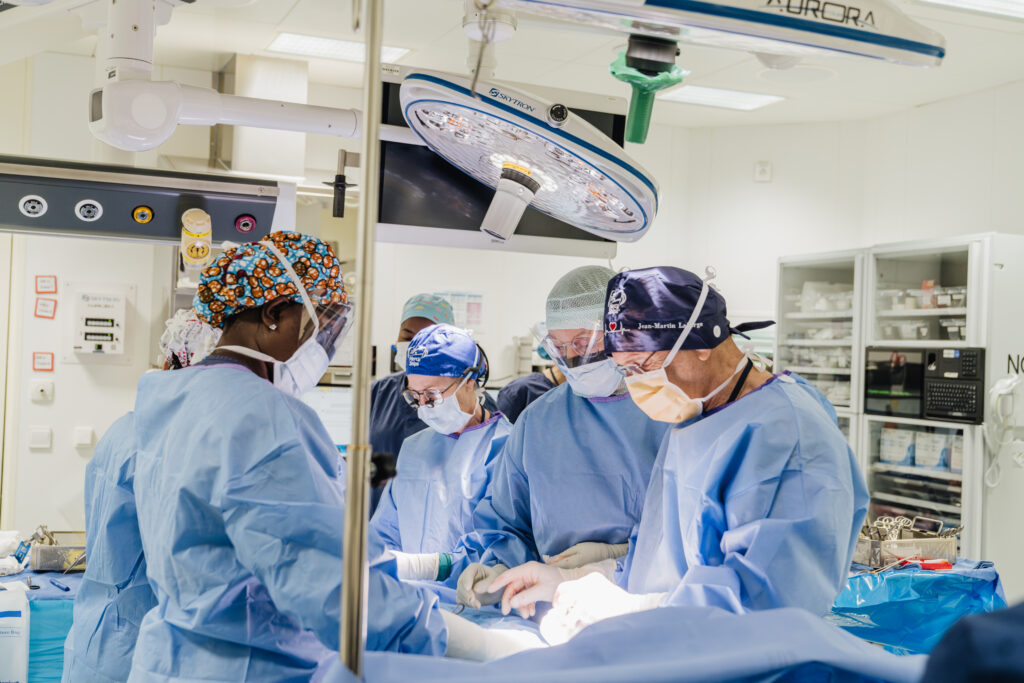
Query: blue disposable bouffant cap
{"points": [[443, 351], [646, 310]]}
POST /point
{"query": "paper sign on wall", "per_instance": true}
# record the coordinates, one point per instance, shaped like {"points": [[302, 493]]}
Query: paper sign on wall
{"points": [[46, 308], [42, 361], [46, 284], [467, 307]]}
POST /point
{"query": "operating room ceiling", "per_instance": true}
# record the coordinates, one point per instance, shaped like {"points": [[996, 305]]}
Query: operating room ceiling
{"points": [[983, 52]]}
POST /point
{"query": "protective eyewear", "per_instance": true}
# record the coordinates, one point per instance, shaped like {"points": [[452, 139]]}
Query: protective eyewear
{"points": [[333, 321], [432, 397], [633, 369], [584, 348]]}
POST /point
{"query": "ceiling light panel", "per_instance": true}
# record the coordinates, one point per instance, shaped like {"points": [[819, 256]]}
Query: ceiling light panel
{"points": [[1005, 8], [717, 97], [330, 48]]}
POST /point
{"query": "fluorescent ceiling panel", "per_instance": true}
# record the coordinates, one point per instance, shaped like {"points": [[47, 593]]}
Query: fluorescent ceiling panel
{"points": [[717, 97], [329, 48], [1005, 8]]}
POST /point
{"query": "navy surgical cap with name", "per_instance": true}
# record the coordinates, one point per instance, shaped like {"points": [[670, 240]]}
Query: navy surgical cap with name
{"points": [[646, 310]]}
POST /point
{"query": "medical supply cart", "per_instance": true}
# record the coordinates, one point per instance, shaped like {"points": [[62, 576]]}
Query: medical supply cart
{"points": [[936, 325]]}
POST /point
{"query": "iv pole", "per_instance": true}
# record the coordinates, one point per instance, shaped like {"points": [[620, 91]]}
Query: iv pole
{"points": [[355, 570]]}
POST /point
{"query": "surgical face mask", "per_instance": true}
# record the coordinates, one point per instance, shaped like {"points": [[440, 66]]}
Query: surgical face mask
{"points": [[595, 379], [658, 397], [445, 416], [301, 372], [400, 349]]}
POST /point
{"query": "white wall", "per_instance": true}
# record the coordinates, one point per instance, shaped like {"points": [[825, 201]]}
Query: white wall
{"points": [[45, 486]]}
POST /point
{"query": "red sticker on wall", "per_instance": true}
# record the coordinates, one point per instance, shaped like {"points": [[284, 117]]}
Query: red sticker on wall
{"points": [[42, 361], [46, 308], [46, 284]]}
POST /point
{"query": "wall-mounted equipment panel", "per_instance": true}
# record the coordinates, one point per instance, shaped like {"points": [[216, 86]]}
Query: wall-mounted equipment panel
{"points": [[66, 198]]}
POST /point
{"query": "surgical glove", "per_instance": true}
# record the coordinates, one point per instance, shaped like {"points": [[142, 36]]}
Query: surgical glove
{"points": [[533, 582], [467, 640], [587, 553], [593, 598], [423, 566], [474, 585]]}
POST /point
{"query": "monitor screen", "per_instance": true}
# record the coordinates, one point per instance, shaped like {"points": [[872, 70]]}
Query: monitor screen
{"points": [[419, 188], [334, 407]]}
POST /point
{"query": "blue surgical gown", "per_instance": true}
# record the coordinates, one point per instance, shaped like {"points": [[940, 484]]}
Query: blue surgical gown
{"points": [[241, 512], [114, 595], [753, 506], [521, 392], [428, 506], [574, 469]]}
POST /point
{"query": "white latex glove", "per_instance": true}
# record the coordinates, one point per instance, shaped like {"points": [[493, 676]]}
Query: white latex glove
{"points": [[587, 553], [467, 640], [475, 583], [593, 598], [417, 566], [533, 582]]}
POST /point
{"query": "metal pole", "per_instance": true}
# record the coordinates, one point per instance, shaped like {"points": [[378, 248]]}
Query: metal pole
{"points": [[355, 577]]}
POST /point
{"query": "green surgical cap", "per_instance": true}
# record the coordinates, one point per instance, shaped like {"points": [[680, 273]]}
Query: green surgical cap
{"points": [[577, 299]]}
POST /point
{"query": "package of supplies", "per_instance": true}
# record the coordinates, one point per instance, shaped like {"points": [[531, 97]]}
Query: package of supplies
{"points": [[13, 636], [932, 450], [896, 446], [956, 454]]}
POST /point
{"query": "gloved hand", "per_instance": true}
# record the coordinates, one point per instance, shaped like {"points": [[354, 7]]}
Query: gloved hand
{"points": [[587, 553], [474, 585], [588, 600], [529, 584], [467, 640]]}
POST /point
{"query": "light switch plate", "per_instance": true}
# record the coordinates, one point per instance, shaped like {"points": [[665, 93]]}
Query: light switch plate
{"points": [[40, 438], [84, 437]]}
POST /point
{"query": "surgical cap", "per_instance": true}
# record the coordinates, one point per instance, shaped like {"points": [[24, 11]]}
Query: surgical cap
{"points": [[577, 299], [647, 310], [188, 338], [434, 308], [250, 275], [443, 351]]}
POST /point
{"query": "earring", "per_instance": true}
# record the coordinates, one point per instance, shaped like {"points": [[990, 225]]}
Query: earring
{"points": [[273, 327]]}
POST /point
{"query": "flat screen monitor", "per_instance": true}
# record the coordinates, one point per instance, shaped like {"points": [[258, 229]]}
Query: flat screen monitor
{"points": [[334, 407]]}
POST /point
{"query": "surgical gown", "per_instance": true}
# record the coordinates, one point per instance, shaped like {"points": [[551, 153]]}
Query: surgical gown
{"points": [[755, 505], [521, 392], [574, 469], [392, 421], [114, 595], [428, 506], [241, 514]]}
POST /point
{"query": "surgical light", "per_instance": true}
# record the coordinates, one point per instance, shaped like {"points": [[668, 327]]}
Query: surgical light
{"points": [[532, 153], [717, 97], [1006, 8], [330, 48]]}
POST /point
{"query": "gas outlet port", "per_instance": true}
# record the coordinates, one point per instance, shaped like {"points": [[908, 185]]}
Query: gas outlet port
{"points": [[32, 205], [88, 210], [245, 223], [142, 214]]}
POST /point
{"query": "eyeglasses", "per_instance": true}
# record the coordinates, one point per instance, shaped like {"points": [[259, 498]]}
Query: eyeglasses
{"points": [[432, 397], [582, 345], [634, 369]]}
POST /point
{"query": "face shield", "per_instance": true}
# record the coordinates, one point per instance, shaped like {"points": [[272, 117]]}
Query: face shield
{"points": [[330, 323], [572, 348]]}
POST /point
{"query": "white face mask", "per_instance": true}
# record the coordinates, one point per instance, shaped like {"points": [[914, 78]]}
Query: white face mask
{"points": [[400, 349], [300, 373], [445, 416], [594, 380]]}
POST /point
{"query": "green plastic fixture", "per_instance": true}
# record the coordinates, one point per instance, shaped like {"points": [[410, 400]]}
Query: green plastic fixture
{"points": [[644, 85]]}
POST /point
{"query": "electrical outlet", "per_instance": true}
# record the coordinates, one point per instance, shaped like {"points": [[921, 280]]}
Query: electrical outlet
{"points": [[42, 391], [763, 172]]}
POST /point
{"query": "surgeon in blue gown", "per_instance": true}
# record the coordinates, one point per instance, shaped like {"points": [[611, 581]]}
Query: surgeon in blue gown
{"points": [[442, 471], [755, 501], [237, 485], [568, 487], [392, 420], [115, 595]]}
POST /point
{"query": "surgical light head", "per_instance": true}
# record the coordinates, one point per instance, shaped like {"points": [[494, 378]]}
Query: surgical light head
{"points": [[532, 153]]}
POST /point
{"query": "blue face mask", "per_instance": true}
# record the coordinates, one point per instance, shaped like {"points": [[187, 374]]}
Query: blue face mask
{"points": [[599, 379]]}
